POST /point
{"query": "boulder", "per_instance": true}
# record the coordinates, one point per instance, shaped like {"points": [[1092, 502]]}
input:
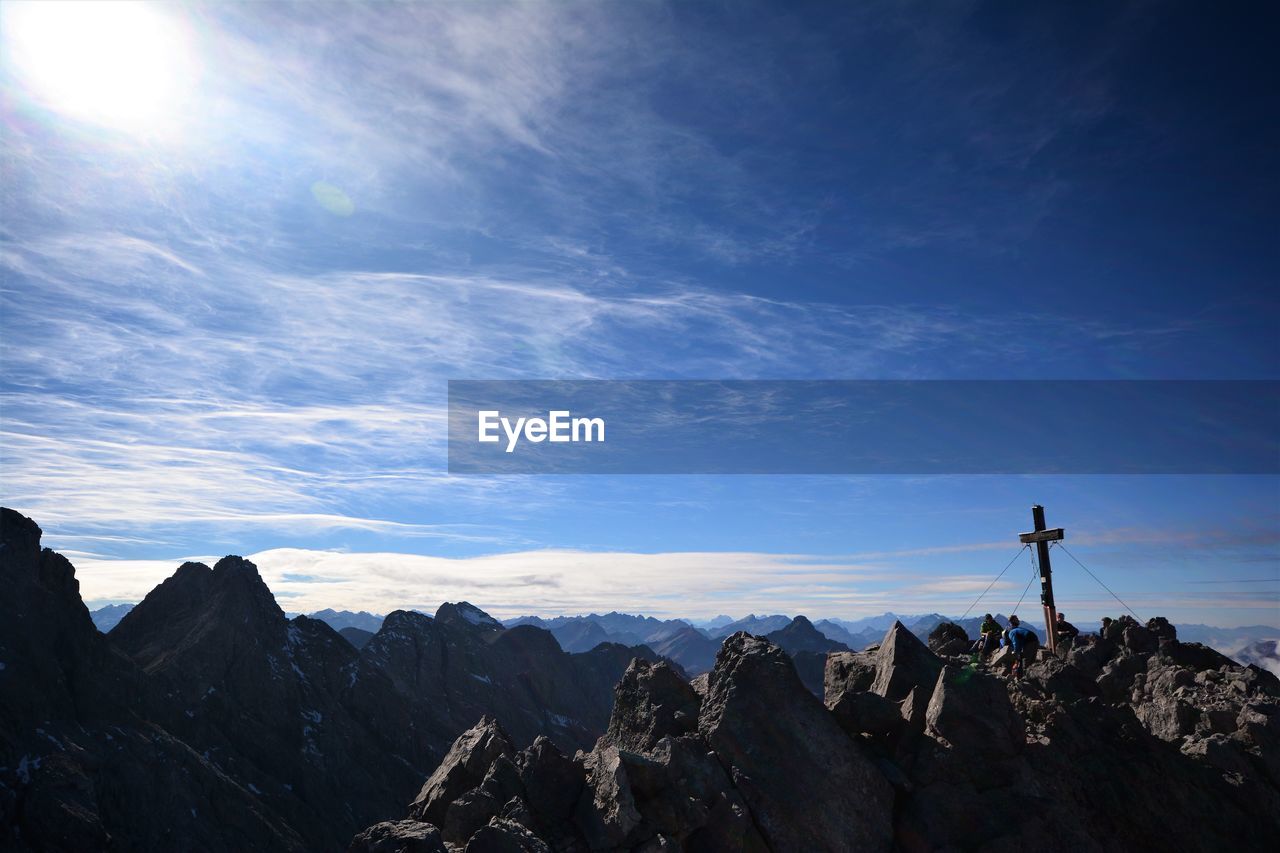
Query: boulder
{"points": [[867, 714], [947, 636], [1140, 640], [505, 836], [607, 811], [1062, 680], [903, 662], [398, 836], [848, 672], [970, 712], [1218, 751], [1162, 629]]}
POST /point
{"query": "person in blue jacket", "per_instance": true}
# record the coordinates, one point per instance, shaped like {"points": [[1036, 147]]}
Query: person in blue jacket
{"points": [[1023, 641]]}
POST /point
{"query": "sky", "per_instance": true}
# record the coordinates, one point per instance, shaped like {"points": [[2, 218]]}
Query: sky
{"points": [[245, 246]]}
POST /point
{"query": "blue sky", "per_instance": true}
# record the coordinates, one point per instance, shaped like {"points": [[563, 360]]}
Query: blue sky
{"points": [[236, 282]]}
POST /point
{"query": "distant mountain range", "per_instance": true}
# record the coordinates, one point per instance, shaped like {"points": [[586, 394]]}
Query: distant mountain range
{"points": [[339, 619], [106, 618], [694, 644]]}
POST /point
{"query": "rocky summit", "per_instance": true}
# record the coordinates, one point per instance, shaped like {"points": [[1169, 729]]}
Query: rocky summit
{"points": [[208, 720], [1130, 741]]}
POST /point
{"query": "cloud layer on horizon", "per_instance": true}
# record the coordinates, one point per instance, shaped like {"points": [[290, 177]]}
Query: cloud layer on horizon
{"points": [[556, 582]]}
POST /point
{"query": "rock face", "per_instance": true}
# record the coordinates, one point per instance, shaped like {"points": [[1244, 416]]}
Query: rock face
{"points": [[88, 755], [208, 720], [275, 701], [762, 723], [518, 675], [756, 764]]}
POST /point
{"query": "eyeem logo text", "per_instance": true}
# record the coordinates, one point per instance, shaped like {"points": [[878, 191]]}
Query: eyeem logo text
{"points": [[558, 426]]}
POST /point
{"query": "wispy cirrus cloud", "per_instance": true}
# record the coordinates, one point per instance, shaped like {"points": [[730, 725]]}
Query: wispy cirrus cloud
{"points": [[196, 351], [144, 384]]}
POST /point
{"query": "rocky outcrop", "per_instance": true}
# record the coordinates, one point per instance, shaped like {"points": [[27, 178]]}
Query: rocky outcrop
{"points": [[463, 768], [948, 640], [763, 724]]}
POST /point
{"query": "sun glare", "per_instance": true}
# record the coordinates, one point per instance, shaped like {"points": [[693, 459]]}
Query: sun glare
{"points": [[122, 65]]}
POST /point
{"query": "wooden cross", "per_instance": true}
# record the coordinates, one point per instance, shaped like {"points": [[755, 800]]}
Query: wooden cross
{"points": [[1041, 538]]}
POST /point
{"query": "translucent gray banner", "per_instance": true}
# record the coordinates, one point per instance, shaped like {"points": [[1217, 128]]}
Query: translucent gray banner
{"points": [[864, 427]]}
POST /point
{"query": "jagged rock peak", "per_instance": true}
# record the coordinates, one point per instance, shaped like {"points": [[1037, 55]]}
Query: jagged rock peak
{"points": [[810, 785], [231, 592], [18, 532], [463, 768], [800, 635], [20, 551], [189, 571], [400, 620], [464, 612], [651, 702], [233, 563]]}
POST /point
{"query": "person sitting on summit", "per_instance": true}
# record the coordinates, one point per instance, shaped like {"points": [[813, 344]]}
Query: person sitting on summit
{"points": [[1023, 642], [988, 635], [1065, 629]]}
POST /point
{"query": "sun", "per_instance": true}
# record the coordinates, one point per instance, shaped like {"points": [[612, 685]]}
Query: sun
{"points": [[128, 66]]}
